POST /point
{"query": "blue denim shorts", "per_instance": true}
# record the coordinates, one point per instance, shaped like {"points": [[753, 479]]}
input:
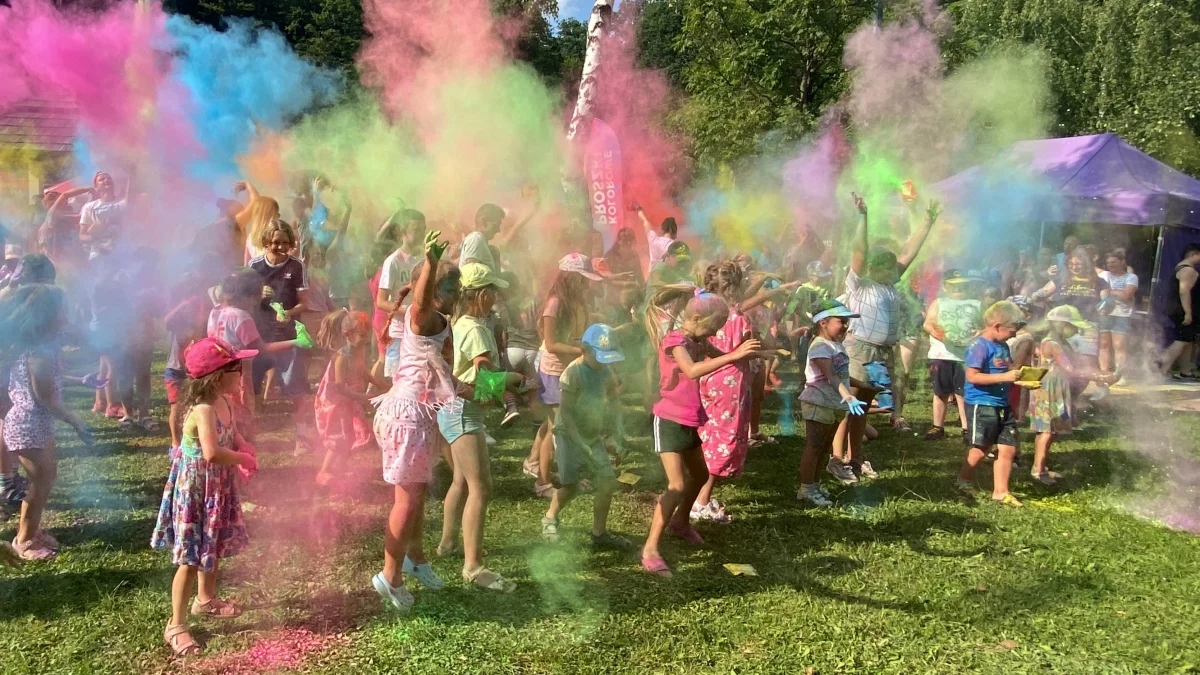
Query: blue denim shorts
{"points": [[456, 424], [1114, 324]]}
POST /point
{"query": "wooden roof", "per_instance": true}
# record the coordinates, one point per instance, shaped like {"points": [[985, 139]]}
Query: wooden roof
{"points": [[45, 125]]}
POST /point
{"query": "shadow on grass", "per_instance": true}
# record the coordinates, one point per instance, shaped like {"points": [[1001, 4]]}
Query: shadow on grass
{"points": [[49, 593]]}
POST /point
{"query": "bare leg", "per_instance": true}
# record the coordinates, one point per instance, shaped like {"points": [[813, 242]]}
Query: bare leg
{"points": [[667, 501], [698, 475], [546, 450], [1106, 344], [857, 427], [181, 594], [1170, 356], [817, 440], [1002, 470], [839, 439], [405, 528], [705, 495], [41, 467], [452, 507], [1118, 343], [939, 412], [601, 503], [207, 588], [471, 454], [562, 496], [1041, 451], [961, 403], [967, 472]]}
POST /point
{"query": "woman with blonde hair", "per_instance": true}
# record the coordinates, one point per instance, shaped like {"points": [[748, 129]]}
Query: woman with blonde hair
{"points": [[252, 221]]}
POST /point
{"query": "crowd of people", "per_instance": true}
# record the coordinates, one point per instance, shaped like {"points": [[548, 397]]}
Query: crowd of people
{"points": [[413, 331]]}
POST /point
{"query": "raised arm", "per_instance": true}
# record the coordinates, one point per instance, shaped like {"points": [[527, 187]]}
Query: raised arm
{"points": [[913, 246], [642, 216], [502, 239], [695, 371], [425, 287], [858, 258]]}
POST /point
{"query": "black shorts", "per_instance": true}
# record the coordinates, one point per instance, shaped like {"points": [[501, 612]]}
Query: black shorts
{"points": [[988, 426], [1175, 331], [674, 437], [948, 377]]}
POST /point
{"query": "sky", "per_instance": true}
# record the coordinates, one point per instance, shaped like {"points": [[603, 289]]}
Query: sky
{"points": [[576, 9]]}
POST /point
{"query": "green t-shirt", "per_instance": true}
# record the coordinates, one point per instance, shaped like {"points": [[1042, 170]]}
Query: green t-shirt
{"points": [[804, 298], [472, 337], [588, 393]]}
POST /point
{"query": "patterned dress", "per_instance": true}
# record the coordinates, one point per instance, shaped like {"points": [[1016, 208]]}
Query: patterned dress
{"points": [[29, 424], [342, 422], [1050, 405], [200, 519], [725, 395]]}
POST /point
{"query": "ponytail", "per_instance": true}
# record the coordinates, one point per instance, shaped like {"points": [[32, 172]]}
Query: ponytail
{"points": [[669, 302]]}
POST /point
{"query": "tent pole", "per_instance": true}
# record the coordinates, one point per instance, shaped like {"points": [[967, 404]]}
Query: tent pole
{"points": [[1157, 259]]}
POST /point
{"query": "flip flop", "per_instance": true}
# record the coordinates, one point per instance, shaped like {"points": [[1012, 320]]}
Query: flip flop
{"points": [[489, 580], [216, 609], [657, 566], [181, 641]]}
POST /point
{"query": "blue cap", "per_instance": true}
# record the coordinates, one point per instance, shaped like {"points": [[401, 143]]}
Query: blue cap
{"points": [[603, 341]]}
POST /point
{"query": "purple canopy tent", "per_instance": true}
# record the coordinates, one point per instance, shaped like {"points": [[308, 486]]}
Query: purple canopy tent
{"points": [[1098, 179]]}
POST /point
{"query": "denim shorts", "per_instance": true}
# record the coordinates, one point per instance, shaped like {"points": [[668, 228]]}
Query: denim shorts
{"points": [[1114, 324], [454, 424]]}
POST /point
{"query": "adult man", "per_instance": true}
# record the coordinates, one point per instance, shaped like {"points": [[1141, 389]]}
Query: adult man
{"points": [[1183, 300], [871, 293]]}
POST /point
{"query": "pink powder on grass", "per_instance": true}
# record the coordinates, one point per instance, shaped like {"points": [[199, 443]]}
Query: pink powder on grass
{"points": [[288, 649]]}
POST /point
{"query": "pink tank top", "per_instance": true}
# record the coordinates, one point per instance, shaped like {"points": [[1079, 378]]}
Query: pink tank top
{"points": [[422, 377]]}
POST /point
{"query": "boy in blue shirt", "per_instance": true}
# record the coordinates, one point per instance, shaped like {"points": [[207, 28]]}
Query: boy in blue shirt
{"points": [[590, 411], [990, 420]]}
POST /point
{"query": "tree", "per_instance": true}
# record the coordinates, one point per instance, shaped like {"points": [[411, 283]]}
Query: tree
{"points": [[759, 67], [659, 27]]}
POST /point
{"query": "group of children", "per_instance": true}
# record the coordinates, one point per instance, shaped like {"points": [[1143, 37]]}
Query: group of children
{"points": [[452, 338]]}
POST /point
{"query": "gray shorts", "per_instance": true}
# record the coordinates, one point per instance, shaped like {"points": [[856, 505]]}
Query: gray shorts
{"points": [[573, 460]]}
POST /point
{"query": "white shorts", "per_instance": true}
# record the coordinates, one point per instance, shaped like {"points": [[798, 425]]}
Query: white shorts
{"points": [[410, 447], [525, 362]]}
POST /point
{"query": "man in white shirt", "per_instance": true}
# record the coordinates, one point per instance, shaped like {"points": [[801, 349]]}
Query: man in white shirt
{"points": [[871, 293]]}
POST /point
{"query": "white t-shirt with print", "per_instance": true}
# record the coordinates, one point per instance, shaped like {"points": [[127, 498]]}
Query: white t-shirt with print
{"points": [[397, 271], [818, 390]]}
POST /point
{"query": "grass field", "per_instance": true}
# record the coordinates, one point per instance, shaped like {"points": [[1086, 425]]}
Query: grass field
{"points": [[903, 577]]}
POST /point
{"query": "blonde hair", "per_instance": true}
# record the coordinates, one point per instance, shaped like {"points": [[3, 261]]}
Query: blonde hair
{"points": [[668, 302], [1004, 313], [263, 211], [274, 226]]}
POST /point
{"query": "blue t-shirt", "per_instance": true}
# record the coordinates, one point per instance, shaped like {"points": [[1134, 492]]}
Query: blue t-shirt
{"points": [[987, 357]]}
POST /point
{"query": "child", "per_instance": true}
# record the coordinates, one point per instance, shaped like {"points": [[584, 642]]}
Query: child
{"points": [[338, 407], [31, 317], [725, 395], [475, 349], [200, 519], [1022, 347], [1051, 405], [991, 422], [518, 312], [590, 410], [232, 322], [684, 356], [406, 421], [826, 395], [951, 321], [186, 323]]}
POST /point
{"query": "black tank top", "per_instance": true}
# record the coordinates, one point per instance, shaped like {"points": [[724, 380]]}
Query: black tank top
{"points": [[1174, 303]]}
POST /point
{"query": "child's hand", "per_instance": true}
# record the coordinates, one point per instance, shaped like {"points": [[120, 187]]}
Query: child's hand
{"points": [[855, 406], [239, 186], [268, 293], [248, 462], [434, 248], [938, 333], [85, 436], [933, 211], [1012, 375], [747, 348], [859, 203]]}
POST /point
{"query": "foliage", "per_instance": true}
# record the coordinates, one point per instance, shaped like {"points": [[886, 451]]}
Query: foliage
{"points": [[758, 67], [1126, 66]]}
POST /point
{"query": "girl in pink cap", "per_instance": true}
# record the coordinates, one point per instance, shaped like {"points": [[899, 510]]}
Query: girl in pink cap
{"points": [[200, 519]]}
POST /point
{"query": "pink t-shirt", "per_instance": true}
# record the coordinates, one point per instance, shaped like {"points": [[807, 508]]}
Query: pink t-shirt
{"points": [[680, 396], [233, 325], [549, 363]]}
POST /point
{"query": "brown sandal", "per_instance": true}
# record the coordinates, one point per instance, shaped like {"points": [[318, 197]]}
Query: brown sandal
{"points": [[216, 609], [180, 640]]}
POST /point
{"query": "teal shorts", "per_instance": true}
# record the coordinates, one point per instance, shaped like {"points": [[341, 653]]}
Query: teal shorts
{"points": [[573, 460], [456, 424]]}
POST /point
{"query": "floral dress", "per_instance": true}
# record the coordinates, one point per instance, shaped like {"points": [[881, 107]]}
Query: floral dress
{"points": [[29, 424], [725, 395], [200, 519], [342, 422], [1050, 405]]}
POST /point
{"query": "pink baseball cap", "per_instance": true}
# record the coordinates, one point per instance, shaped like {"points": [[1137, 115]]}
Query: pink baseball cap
{"points": [[581, 264], [209, 355]]}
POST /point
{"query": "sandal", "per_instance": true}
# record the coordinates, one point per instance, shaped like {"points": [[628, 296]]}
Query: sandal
{"points": [[657, 566], [550, 530], [126, 424], [181, 640], [611, 541], [489, 580], [148, 425], [1047, 478], [1008, 500], [216, 608]]}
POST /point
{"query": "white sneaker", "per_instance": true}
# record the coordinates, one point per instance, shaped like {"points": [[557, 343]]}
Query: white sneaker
{"points": [[399, 596], [814, 495], [712, 512], [866, 471], [424, 573], [509, 418], [488, 439], [842, 472]]}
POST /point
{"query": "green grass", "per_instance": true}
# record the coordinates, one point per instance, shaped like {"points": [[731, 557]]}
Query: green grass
{"points": [[912, 580]]}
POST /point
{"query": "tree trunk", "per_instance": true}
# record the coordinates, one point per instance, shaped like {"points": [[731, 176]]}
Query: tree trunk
{"points": [[601, 12]]}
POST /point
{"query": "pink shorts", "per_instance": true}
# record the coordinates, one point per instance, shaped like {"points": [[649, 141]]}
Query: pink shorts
{"points": [[410, 447]]}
